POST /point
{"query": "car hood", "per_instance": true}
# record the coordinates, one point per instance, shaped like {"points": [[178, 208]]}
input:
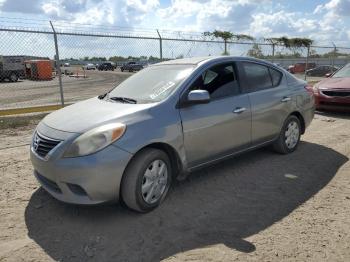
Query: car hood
{"points": [[91, 113], [335, 83]]}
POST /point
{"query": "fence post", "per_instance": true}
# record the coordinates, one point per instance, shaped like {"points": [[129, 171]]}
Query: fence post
{"points": [[333, 56], [307, 61], [58, 64], [273, 53], [160, 45]]}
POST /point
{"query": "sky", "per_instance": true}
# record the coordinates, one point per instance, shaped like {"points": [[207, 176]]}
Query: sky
{"points": [[324, 21]]}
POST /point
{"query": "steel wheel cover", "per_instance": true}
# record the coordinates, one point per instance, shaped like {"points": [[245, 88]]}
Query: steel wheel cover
{"points": [[154, 181]]}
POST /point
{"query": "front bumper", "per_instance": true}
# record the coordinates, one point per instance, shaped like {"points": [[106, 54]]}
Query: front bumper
{"points": [[332, 103], [91, 179]]}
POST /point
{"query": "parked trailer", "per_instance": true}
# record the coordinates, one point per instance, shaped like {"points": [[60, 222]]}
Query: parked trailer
{"points": [[12, 68], [38, 69]]}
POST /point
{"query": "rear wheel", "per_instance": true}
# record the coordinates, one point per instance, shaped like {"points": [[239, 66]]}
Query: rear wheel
{"points": [[13, 77], [289, 137], [146, 180]]}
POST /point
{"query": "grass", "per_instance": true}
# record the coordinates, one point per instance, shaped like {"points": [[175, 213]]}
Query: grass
{"points": [[20, 121]]}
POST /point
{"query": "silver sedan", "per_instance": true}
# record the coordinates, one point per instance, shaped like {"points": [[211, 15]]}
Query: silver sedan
{"points": [[163, 123]]}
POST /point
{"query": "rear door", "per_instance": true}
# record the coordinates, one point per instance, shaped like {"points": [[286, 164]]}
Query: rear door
{"points": [[269, 96], [223, 125]]}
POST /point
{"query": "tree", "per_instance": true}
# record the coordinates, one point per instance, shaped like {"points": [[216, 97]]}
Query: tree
{"points": [[290, 42], [255, 51], [226, 36]]}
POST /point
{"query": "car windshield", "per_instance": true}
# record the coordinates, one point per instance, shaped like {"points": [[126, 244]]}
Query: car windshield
{"points": [[152, 84], [344, 72]]}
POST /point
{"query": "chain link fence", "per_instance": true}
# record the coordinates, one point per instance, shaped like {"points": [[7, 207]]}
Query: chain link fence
{"points": [[90, 62]]}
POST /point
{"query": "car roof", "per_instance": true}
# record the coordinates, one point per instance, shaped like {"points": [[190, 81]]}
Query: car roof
{"points": [[205, 59]]}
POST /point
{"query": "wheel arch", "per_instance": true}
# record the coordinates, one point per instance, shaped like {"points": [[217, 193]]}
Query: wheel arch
{"points": [[173, 155], [301, 119]]}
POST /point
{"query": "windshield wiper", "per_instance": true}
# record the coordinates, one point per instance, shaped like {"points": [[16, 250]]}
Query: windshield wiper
{"points": [[102, 96], [123, 99]]}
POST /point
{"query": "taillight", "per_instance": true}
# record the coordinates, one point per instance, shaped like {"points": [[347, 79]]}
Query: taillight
{"points": [[309, 89]]}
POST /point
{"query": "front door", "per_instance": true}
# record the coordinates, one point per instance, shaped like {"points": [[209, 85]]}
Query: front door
{"points": [[221, 126]]}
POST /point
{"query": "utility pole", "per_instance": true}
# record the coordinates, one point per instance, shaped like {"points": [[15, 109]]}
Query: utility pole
{"points": [[58, 64]]}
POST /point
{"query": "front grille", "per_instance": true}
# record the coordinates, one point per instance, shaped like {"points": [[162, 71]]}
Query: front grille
{"points": [[337, 93], [43, 145], [335, 104]]}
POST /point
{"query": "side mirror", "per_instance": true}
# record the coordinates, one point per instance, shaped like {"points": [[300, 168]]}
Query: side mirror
{"points": [[198, 97], [328, 75]]}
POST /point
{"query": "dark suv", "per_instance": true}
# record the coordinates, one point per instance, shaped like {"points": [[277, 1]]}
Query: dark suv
{"points": [[106, 66], [131, 66]]}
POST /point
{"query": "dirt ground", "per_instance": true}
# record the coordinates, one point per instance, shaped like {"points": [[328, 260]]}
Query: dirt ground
{"points": [[259, 206], [27, 93]]}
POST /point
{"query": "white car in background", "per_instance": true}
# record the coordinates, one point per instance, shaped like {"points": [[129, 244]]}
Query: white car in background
{"points": [[89, 67]]}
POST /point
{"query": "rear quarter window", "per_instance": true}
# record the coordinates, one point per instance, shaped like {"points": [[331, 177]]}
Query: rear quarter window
{"points": [[276, 77]]}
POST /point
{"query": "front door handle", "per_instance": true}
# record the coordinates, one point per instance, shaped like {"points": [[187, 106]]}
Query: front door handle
{"points": [[239, 110], [285, 99]]}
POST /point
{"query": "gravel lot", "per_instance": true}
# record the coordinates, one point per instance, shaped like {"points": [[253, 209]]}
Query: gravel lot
{"points": [[259, 206], [27, 93]]}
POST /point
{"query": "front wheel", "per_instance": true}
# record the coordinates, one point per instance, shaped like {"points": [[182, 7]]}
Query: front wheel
{"points": [[289, 137], [13, 77], [146, 180]]}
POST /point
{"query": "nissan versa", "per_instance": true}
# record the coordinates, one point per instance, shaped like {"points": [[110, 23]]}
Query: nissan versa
{"points": [[162, 123]]}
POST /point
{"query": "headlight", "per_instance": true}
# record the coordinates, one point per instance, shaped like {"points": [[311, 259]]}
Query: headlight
{"points": [[95, 140]]}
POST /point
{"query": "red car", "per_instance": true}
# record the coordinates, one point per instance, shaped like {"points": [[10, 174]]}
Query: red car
{"points": [[333, 93], [300, 67]]}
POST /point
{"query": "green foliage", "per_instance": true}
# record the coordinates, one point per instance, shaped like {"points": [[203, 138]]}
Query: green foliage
{"points": [[227, 35], [244, 37], [290, 42]]}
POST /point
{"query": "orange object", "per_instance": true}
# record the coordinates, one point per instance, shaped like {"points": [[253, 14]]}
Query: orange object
{"points": [[38, 69]]}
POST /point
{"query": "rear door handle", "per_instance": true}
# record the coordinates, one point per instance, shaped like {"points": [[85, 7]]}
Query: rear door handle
{"points": [[239, 110], [285, 99]]}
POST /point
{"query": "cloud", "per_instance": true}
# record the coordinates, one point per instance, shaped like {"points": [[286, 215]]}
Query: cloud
{"points": [[338, 7], [205, 15], [20, 6], [328, 21], [295, 24], [127, 13]]}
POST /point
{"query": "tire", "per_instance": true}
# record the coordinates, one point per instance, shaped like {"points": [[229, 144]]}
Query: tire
{"points": [[134, 183], [121, 69], [13, 77], [284, 146]]}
